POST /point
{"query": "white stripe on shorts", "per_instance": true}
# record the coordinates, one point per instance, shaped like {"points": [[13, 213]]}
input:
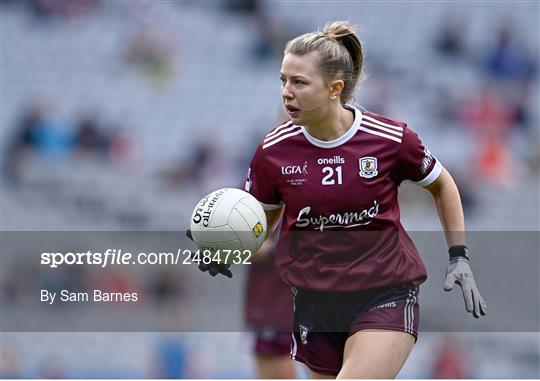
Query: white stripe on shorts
{"points": [[294, 347], [408, 313]]}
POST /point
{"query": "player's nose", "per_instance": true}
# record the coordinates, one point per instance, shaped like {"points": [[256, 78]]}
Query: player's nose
{"points": [[286, 93]]}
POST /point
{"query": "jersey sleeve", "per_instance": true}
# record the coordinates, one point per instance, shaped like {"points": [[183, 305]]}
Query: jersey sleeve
{"points": [[260, 184], [415, 162]]}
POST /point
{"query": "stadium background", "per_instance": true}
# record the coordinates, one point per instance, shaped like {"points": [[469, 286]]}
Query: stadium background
{"points": [[120, 115]]}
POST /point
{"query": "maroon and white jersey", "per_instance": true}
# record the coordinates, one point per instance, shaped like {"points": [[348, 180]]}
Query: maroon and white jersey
{"points": [[269, 301], [341, 228]]}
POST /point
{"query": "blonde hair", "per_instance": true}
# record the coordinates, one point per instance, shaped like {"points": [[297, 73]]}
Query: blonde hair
{"points": [[340, 54]]}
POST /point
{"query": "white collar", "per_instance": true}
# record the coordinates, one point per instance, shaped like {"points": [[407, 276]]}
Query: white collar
{"points": [[343, 138]]}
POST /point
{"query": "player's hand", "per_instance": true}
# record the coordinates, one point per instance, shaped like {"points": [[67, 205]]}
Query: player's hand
{"points": [[459, 271], [213, 268]]}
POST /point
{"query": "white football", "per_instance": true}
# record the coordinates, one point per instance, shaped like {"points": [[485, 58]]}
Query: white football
{"points": [[228, 219]]}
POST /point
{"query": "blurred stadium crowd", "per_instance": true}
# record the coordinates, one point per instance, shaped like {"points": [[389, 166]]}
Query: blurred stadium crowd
{"points": [[121, 115]]}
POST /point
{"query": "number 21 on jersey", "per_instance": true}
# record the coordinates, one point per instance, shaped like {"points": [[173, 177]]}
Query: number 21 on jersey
{"points": [[331, 175]]}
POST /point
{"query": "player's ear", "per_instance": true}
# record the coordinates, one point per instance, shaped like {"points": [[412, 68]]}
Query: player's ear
{"points": [[336, 87]]}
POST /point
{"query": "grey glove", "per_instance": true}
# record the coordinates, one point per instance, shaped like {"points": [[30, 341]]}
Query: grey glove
{"points": [[212, 267], [459, 271]]}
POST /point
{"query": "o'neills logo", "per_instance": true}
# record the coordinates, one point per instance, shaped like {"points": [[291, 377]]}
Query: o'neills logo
{"points": [[205, 208], [337, 220], [333, 160]]}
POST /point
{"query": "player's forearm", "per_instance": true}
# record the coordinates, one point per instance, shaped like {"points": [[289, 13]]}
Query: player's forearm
{"points": [[273, 217], [448, 202], [266, 249]]}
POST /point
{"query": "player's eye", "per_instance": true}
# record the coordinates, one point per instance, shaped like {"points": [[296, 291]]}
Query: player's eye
{"points": [[299, 83]]}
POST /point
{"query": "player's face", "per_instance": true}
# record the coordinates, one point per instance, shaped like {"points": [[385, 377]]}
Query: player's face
{"points": [[305, 94]]}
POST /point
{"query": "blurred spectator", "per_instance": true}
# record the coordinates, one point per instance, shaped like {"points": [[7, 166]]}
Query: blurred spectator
{"points": [[171, 357], [151, 51], [74, 279], [93, 140], [271, 34], [509, 58], [38, 130], [112, 280], [487, 112], [450, 38], [189, 171], [31, 120], [241, 6], [166, 287], [492, 121], [90, 140], [25, 139], [205, 168], [521, 100], [451, 360]]}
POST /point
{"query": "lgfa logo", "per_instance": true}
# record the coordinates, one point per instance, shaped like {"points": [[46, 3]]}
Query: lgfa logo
{"points": [[295, 169]]}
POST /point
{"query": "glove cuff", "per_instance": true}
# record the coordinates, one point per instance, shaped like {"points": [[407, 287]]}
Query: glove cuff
{"points": [[458, 251]]}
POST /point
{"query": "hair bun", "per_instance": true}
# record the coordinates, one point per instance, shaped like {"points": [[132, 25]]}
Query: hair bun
{"points": [[329, 34]]}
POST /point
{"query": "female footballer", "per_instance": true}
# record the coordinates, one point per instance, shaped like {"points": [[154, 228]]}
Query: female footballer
{"points": [[333, 171]]}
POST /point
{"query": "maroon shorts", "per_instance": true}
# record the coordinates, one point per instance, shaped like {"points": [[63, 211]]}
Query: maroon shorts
{"points": [[269, 342], [324, 320]]}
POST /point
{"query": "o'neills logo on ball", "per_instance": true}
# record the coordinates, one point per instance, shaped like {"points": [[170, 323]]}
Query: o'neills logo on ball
{"points": [[257, 229], [205, 207], [337, 220]]}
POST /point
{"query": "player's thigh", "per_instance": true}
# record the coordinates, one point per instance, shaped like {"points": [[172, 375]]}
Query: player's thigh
{"points": [[276, 366], [320, 376], [375, 354]]}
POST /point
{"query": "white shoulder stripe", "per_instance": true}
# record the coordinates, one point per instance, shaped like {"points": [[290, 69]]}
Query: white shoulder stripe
{"points": [[373, 120], [394, 138], [281, 126], [283, 137], [283, 131], [393, 132]]}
